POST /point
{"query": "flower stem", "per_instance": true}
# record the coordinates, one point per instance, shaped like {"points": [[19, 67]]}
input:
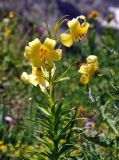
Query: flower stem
{"points": [[52, 102]]}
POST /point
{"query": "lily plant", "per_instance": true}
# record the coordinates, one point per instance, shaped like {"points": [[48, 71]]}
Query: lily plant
{"points": [[57, 133]]}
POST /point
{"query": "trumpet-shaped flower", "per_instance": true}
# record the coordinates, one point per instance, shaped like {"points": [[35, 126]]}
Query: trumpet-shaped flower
{"points": [[36, 78], [77, 31], [43, 55], [89, 69]]}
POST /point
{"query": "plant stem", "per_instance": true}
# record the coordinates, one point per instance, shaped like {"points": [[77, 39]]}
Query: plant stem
{"points": [[51, 88], [52, 101]]}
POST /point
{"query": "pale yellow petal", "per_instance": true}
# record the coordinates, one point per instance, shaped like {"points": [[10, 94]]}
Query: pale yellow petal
{"points": [[35, 44], [37, 71], [84, 69], [33, 52], [85, 79], [29, 78], [33, 79], [24, 76], [84, 24], [39, 75], [56, 55], [73, 24], [92, 59], [49, 43], [82, 17], [83, 28], [28, 52], [66, 39]]}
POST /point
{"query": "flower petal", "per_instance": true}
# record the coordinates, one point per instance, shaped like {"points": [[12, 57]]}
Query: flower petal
{"points": [[49, 43], [73, 24], [66, 39], [29, 78], [91, 59], [39, 75], [83, 18], [83, 28], [24, 76], [28, 52], [56, 55], [85, 79], [84, 69], [33, 80], [32, 52], [35, 44]]}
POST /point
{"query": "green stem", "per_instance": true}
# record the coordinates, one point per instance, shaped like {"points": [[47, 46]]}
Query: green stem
{"points": [[51, 88], [52, 101], [55, 149], [116, 147]]}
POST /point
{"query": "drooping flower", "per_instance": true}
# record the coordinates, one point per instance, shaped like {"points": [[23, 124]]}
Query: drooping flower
{"points": [[43, 55], [77, 31], [36, 78], [89, 69]]}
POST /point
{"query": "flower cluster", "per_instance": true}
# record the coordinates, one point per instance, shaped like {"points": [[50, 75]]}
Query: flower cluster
{"points": [[42, 57], [89, 69]]}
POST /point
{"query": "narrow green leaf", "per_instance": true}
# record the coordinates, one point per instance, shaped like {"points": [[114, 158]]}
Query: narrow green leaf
{"points": [[43, 110], [47, 28]]}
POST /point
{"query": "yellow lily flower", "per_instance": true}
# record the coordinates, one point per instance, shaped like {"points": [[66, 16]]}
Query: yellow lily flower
{"points": [[36, 78], [89, 69], [77, 31], [43, 55]]}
